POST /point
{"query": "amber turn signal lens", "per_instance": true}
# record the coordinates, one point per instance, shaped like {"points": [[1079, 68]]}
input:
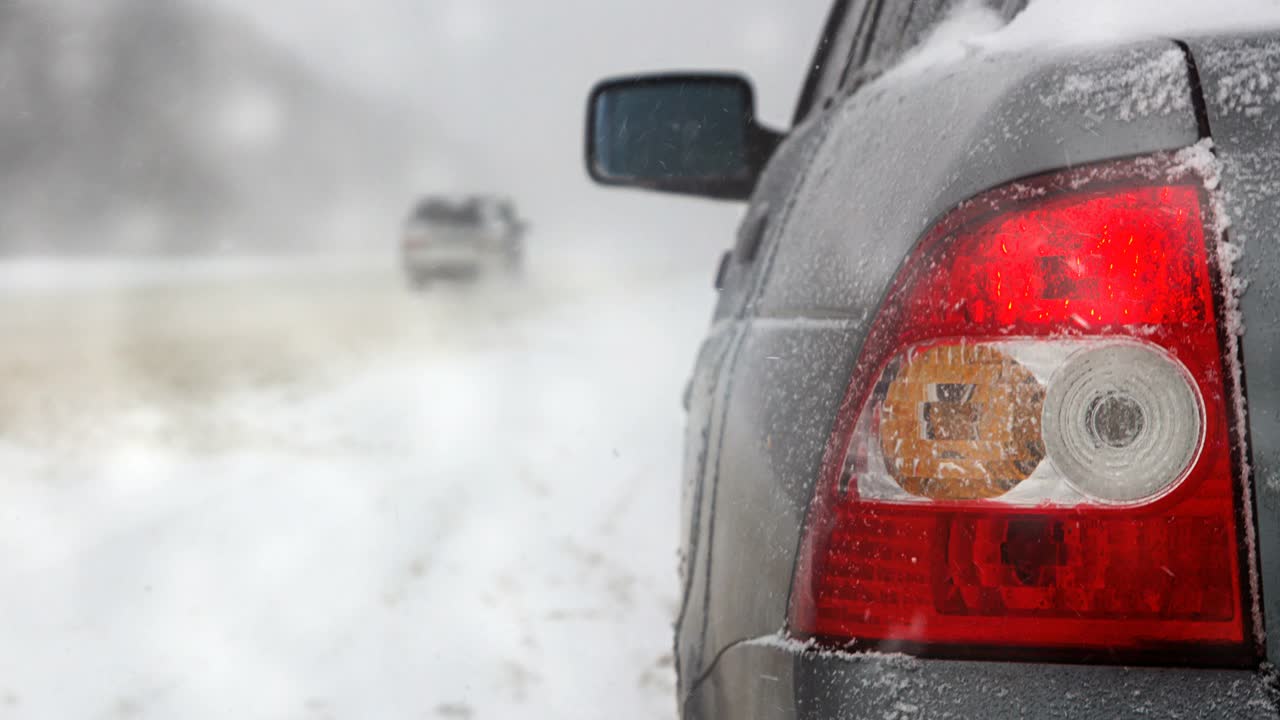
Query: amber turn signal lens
{"points": [[961, 422]]}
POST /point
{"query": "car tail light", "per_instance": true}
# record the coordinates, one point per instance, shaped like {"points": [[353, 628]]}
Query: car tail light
{"points": [[1035, 452]]}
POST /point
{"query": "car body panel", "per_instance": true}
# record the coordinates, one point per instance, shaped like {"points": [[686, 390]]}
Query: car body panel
{"points": [[893, 157], [699, 443], [450, 247], [907, 149], [431, 252], [1241, 81], [770, 680], [709, 385]]}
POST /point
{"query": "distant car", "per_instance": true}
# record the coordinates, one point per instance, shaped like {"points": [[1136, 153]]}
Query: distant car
{"points": [[977, 425], [460, 239]]}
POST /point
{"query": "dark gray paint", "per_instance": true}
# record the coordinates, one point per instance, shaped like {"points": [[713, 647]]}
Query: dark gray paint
{"points": [[892, 158], [694, 511], [771, 203], [1241, 79], [904, 152], [754, 681], [789, 378], [708, 388]]}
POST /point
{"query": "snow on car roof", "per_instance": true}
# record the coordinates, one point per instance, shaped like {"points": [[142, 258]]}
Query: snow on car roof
{"points": [[973, 28]]}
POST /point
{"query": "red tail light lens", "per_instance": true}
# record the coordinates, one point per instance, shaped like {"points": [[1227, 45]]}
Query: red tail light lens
{"points": [[1034, 453]]}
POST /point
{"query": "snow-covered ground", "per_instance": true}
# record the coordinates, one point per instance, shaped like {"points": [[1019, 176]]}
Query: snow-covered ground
{"points": [[272, 489]]}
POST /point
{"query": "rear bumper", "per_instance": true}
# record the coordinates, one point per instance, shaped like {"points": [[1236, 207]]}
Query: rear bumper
{"points": [[453, 260], [770, 680], [438, 255]]}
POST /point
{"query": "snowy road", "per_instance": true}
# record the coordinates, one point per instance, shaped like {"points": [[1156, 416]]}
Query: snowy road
{"points": [[257, 490]]}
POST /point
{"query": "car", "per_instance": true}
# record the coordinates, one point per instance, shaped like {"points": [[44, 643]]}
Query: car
{"points": [[460, 239], [987, 420]]}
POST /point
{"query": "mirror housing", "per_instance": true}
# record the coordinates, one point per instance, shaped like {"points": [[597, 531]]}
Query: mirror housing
{"points": [[694, 134]]}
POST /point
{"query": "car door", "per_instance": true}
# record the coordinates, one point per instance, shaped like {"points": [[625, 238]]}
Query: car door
{"points": [[737, 278]]}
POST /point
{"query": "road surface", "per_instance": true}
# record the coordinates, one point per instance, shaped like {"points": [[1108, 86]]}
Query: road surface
{"points": [[292, 489]]}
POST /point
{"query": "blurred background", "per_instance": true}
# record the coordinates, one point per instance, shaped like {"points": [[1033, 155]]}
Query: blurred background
{"points": [[183, 126], [250, 470]]}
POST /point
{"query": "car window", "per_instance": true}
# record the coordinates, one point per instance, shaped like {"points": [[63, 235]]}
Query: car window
{"points": [[836, 51], [444, 211], [864, 38], [893, 28], [886, 38]]}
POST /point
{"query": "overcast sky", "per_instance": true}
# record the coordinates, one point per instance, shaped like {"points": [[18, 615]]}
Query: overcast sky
{"points": [[506, 80]]}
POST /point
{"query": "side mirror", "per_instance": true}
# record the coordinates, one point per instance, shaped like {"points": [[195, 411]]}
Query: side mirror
{"points": [[691, 134]]}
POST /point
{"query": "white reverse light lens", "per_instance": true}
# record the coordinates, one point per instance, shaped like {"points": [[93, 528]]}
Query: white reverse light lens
{"points": [[1121, 422]]}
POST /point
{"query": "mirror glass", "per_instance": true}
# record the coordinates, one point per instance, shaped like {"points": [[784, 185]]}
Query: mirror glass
{"points": [[692, 129]]}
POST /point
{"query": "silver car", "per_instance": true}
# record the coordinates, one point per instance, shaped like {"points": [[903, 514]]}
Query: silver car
{"points": [[460, 239]]}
